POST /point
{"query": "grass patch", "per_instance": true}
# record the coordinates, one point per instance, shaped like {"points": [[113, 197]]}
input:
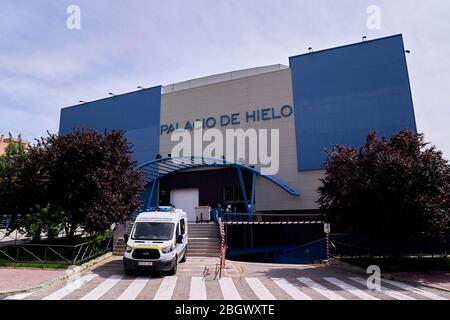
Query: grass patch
{"points": [[34, 264], [404, 264]]}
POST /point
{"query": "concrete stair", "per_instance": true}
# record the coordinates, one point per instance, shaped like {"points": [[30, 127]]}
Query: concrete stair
{"points": [[119, 248], [203, 240], [120, 245]]}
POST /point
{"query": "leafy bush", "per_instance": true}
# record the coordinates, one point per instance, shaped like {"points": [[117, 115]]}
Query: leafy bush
{"points": [[395, 191]]}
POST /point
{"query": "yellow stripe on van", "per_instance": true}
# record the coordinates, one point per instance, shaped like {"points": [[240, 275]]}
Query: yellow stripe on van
{"points": [[149, 247]]}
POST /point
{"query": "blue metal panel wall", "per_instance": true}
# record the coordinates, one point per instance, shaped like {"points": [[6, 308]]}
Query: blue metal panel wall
{"points": [[342, 94], [138, 113]]}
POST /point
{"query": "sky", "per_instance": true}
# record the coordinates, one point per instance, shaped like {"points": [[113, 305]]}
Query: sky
{"points": [[120, 45]]}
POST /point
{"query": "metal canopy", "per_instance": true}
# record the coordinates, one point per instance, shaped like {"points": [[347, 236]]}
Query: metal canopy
{"points": [[159, 168]]}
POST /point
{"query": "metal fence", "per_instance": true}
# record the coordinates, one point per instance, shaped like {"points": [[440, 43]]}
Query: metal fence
{"points": [[52, 253], [9, 235], [351, 245]]}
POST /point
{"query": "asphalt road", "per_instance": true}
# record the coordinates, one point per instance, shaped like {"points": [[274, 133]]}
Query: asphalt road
{"points": [[240, 281]]}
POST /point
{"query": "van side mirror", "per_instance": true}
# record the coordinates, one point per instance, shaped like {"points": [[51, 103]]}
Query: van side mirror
{"points": [[125, 237], [180, 239]]}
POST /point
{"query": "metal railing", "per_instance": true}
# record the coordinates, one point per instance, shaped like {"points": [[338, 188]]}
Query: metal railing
{"points": [[53, 253], [348, 245], [10, 235]]}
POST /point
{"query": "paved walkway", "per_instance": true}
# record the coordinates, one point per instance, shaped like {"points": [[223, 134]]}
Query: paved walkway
{"points": [[21, 278], [439, 279], [240, 281]]}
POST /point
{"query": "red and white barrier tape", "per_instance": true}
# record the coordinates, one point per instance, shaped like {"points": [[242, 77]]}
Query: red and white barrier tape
{"points": [[272, 222], [223, 249]]}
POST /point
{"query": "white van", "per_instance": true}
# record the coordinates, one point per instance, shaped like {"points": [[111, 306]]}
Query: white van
{"points": [[158, 241]]}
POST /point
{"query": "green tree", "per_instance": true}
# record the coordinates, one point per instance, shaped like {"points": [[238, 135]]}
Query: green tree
{"points": [[81, 179], [11, 164], [396, 191]]}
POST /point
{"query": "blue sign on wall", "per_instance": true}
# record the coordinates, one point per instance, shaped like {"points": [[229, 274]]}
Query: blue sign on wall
{"points": [[342, 94], [137, 113]]}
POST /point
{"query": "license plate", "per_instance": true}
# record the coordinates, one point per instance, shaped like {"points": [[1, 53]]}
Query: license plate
{"points": [[145, 263]]}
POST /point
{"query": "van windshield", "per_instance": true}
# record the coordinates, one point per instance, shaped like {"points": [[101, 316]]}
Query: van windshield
{"points": [[152, 231]]}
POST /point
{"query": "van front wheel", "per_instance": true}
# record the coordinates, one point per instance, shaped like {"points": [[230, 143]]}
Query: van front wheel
{"points": [[128, 272], [173, 271], [184, 256]]}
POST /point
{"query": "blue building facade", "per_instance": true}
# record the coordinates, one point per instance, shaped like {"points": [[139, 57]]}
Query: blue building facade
{"points": [[338, 96], [137, 113], [342, 94]]}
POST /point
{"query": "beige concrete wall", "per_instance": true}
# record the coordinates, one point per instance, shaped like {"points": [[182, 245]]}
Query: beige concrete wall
{"points": [[273, 89], [4, 143], [3, 146]]}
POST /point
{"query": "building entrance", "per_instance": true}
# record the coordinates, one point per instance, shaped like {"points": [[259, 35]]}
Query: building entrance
{"points": [[186, 199]]}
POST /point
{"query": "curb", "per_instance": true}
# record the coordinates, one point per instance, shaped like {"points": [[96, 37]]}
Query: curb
{"points": [[70, 272], [388, 276]]}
